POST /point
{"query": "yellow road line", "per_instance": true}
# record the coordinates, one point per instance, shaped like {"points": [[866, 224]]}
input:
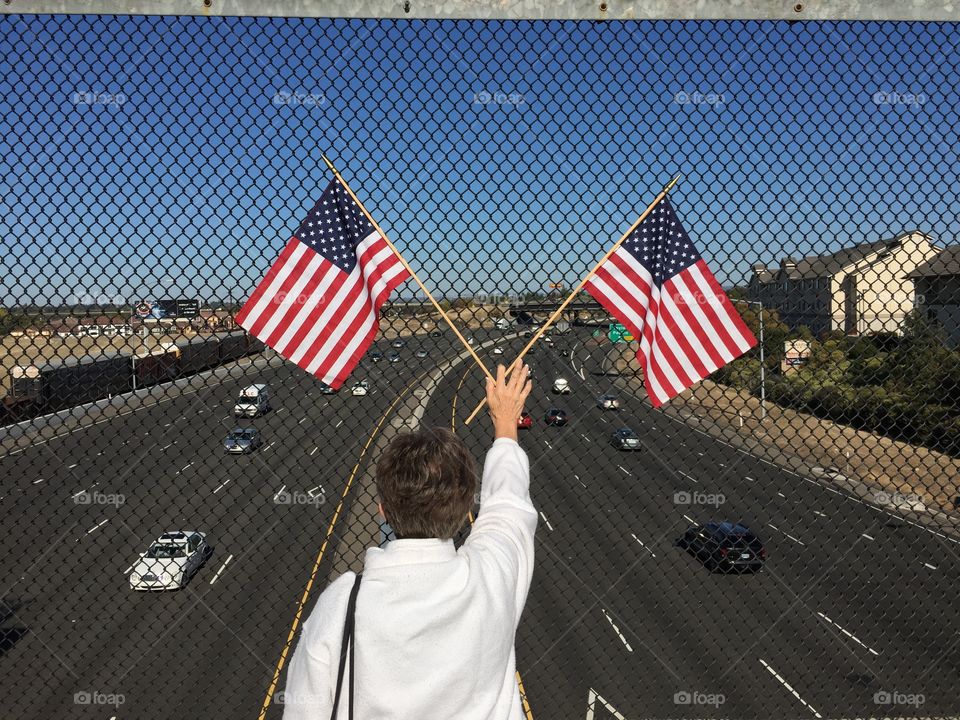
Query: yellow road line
{"points": [[323, 548], [453, 422]]}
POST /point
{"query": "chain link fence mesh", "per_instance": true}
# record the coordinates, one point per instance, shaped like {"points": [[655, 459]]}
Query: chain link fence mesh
{"points": [[151, 168]]}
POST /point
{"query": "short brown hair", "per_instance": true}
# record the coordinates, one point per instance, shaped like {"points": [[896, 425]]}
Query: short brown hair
{"points": [[427, 481]]}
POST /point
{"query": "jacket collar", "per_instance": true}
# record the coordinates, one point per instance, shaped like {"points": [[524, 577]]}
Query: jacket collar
{"points": [[409, 552]]}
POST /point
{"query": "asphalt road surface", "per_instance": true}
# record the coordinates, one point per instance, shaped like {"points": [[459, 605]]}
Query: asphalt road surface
{"points": [[854, 615]]}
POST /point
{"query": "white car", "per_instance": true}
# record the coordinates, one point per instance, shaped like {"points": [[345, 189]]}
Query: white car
{"points": [[561, 386], [171, 561], [470, 340], [608, 402], [498, 351], [360, 388]]}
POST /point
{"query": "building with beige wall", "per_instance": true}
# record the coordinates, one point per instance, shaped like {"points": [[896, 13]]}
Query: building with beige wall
{"points": [[863, 289], [937, 286]]}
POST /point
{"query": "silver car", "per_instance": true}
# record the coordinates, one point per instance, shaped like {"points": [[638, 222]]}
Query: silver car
{"points": [[241, 441]]}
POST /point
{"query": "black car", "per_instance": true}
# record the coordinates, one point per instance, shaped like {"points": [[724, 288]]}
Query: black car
{"points": [[724, 546], [393, 357], [376, 356], [436, 333], [326, 389], [556, 417], [625, 439]]}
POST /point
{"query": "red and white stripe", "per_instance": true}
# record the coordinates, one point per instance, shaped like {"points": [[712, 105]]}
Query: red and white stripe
{"points": [[687, 329], [319, 317]]}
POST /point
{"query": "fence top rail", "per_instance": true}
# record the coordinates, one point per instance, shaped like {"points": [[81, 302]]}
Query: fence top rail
{"points": [[879, 10]]}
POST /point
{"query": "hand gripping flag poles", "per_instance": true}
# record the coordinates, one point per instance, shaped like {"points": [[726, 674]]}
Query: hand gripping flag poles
{"points": [[654, 281], [319, 303]]}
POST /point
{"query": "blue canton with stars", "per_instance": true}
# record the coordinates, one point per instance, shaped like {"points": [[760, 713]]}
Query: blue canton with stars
{"points": [[335, 227], [661, 244]]}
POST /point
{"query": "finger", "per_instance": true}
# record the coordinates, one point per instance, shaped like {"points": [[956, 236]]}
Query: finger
{"points": [[501, 374]]}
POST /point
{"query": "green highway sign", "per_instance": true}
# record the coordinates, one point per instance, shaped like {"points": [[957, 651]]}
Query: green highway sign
{"points": [[618, 333]]}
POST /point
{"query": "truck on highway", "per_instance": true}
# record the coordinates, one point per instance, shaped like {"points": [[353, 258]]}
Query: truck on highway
{"points": [[254, 400], [502, 323]]}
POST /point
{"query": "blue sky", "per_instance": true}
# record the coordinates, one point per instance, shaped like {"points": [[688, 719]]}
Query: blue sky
{"points": [[153, 157]]}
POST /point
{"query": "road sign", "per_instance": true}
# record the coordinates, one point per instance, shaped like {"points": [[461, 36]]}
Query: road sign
{"points": [[618, 333], [188, 308]]}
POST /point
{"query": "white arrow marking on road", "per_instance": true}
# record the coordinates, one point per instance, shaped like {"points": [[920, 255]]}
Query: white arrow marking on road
{"points": [[97, 526], [592, 699], [642, 545], [222, 485], [787, 686], [580, 373], [849, 635], [617, 630], [546, 521], [222, 568]]}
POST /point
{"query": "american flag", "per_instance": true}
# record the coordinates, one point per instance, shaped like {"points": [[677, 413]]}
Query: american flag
{"points": [[662, 291], [319, 303]]}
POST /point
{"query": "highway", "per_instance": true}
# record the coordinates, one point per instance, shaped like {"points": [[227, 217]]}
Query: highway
{"points": [[620, 622]]}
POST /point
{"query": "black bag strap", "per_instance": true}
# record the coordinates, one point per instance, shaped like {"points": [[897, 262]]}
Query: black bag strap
{"points": [[347, 643]]}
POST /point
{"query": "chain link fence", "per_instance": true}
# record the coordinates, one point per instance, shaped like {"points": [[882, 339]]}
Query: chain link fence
{"points": [[154, 166]]}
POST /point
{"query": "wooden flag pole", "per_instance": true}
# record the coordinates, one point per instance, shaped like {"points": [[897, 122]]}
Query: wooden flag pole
{"points": [[409, 269], [573, 294]]}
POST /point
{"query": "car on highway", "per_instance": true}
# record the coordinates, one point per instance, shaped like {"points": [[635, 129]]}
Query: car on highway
{"points": [[170, 562], [254, 400], [421, 353], [724, 546], [360, 388], [436, 333], [498, 351], [525, 421], [242, 441], [556, 417], [471, 340], [548, 340], [625, 439], [326, 389], [398, 343], [608, 402], [393, 357], [376, 356], [561, 386]]}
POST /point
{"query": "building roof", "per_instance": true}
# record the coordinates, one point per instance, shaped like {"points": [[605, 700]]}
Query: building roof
{"points": [[814, 266], [946, 262]]}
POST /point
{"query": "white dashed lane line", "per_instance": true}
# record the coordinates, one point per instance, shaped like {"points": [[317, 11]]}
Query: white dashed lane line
{"points": [[624, 469], [617, 630], [302, 421], [932, 567], [269, 445], [313, 451], [688, 477], [98, 525], [222, 485], [548, 444], [690, 519], [817, 512], [222, 568], [166, 446], [39, 480], [747, 477], [279, 493], [77, 494], [866, 536], [549, 526], [584, 437], [848, 634], [642, 545], [339, 424], [787, 686], [71, 467], [798, 542]]}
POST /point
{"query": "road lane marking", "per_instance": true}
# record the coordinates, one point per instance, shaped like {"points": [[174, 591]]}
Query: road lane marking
{"points": [[866, 536], [691, 519], [584, 437], [71, 467], [76, 495], [782, 495], [848, 634], [314, 450], [339, 424], [168, 424], [617, 630], [548, 445], [222, 568], [38, 481], [817, 512], [932, 567], [688, 477], [98, 525], [747, 477], [127, 571], [222, 485], [546, 521], [642, 545], [318, 487], [270, 445], [279, 493], [624, 469], [166, 446], [787, 686], [301, 422], [592, 699], [798, 542]]}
